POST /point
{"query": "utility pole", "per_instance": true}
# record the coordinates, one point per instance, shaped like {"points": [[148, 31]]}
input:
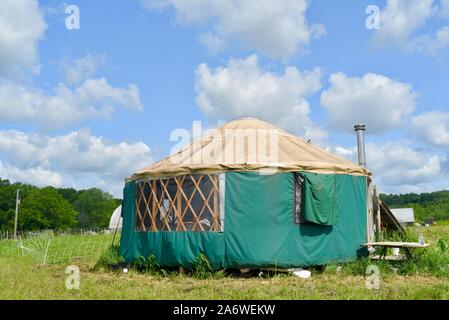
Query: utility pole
{"points": [[17, 213]]}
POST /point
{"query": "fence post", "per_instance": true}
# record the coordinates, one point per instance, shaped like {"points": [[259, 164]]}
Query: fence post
{"points": [[16, 216]]}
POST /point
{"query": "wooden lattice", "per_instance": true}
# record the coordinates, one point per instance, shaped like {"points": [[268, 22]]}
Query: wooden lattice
{"points": [[184, 203]]}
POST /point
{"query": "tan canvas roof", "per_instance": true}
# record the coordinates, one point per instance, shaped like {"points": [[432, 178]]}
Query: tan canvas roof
{"points": [[223, 150]]}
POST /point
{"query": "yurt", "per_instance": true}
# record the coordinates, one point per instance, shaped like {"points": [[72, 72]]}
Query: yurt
{"points": [[247, 195]]}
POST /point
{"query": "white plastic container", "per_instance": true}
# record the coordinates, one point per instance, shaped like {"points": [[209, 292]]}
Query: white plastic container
{"points": [[301, 273], [421, 240]]}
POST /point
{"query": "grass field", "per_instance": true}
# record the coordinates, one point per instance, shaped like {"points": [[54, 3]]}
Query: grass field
{"points": [[60, 249], [21, 277]]}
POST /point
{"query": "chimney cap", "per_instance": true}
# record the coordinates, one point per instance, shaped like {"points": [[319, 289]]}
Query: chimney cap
{"points": [[359, 127]]}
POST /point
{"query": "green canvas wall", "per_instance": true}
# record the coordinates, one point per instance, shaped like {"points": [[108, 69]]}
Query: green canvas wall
{"points": [[259, 226]]}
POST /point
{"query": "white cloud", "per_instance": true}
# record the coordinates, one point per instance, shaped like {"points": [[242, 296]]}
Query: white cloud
{"points": [[444, 8], [213, 42], [93, 98], [35, 176], [398, 167], [21, 27], [375, 100], [432, 45], [243, 88], [77, 70], [432, 128], [403, 20], [446, 166], [276, 28], [155, 4], [69, 159]]}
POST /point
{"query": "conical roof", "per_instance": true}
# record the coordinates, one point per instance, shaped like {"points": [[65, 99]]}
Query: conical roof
{"points": [[250, 144]]}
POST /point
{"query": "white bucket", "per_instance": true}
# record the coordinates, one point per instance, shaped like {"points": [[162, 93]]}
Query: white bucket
{"points": [[395, 251]]}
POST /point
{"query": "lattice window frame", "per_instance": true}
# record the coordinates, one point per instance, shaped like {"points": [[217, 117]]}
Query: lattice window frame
{"points": [[179, 204]]}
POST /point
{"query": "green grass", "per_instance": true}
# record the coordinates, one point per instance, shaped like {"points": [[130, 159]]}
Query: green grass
{"points": [[433, 261], [20, 278], [23, 277], [60, 249]]}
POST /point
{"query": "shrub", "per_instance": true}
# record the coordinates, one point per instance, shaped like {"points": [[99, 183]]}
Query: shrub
{"points": [[202, 268], [110, 258], [149, 265], [442, 245]]}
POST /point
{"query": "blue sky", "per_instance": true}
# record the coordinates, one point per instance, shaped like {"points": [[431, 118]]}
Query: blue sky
{"points": [[88, 107]]}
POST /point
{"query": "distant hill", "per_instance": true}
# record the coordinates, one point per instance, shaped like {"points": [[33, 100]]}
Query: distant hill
{"points": [[426, 205]]}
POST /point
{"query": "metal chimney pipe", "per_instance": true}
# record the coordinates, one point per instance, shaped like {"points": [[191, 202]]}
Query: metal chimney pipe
{"points": [[360, 129]]}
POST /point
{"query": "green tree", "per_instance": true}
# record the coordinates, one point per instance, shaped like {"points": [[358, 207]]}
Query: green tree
{"points": [[50, 208], [8, 202], [46, 209], [95, 208], [70, 194], [433, 205], [7, 220]]}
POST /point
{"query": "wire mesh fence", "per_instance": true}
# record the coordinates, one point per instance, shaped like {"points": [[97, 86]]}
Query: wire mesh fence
{"points": [[9, 235], [57, 247]]}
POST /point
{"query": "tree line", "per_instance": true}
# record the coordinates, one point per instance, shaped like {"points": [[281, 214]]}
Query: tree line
{"points": [[54, 208], [433, 205]]}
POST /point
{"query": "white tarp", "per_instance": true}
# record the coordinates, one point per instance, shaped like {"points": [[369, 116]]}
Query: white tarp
{"points": [[404, 215], [116, 219]]}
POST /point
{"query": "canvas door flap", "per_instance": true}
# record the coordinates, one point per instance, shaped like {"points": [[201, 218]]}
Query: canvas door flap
{"points": [[319, 203]]}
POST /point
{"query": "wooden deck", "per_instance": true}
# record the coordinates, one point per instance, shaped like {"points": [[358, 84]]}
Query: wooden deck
{"points": [[412, 245], [406, 246]]}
